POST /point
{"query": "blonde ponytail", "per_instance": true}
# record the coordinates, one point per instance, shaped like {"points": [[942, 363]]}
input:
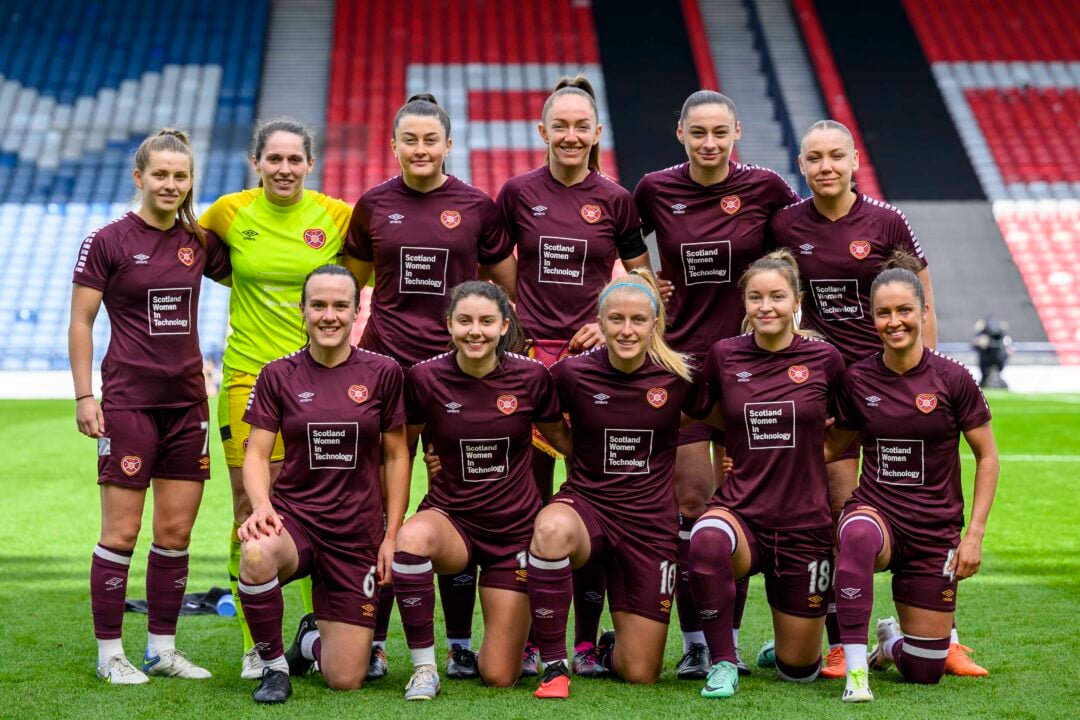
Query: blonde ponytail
{"points": [[659, 351]]}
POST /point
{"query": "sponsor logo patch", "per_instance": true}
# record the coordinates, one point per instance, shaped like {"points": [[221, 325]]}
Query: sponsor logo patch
{"points": [[859, 249], [315, 238], [948, 595], [368, 609], [521, 575], [591, 213], [463, 579], [656, 397], [130, 464], [665, 606], [730, 204], [450, 218], [798, 374], [186, 255], [926, 402], [358, 393], [507, 404], [814, 601]]}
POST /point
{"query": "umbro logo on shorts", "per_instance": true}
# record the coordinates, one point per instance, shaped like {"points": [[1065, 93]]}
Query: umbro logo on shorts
{"points": [[600, 399], [453, 408], [396, 218], [539, 211]]}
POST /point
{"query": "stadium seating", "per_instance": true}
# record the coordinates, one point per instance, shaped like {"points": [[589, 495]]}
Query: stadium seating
{"points": [[489, 75], [74, 104]]}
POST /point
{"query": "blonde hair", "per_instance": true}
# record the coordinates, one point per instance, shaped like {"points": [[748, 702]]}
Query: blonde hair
{"points": [[173, 140], [783, 262], [659, 351]]}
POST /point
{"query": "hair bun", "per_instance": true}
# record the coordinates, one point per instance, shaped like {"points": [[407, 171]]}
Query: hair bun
{"points": [[426, 97]]}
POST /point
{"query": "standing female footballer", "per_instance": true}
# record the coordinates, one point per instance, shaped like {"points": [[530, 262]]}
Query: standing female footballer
{"points": [[340, 411], [152, 423], [476, 406], [908, 406], [775, 391], [841, 239], [618, 505], [710, 216], [277, 233], [422, 233], [569, 224]]}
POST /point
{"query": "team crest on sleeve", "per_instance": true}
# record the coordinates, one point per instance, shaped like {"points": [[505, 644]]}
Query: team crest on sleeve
{"points": [[926, 402], [656, 397], [591, 213], [315, 238], [730, 204], [450, 219], [359, 393], [130, 464], [859, 249], [798, 374], [186, 255], [506, 404]]}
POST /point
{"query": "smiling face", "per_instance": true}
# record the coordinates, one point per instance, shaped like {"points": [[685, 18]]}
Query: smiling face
{"points": [[570, 130], [476, 326], [421, 146], [827, 160], [898, 316], [165, 182], [283, 166], [708, 133], [330, 309], [627, 320], [770, 303]]}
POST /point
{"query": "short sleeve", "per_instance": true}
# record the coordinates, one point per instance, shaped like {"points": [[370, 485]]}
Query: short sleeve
{"points": [[834, 378], [902, 237], [847, 414], [219, 216], [969, 403], [708, 388], [506, 202], [782, 193], [218, 266], [643, 202], [264, 402], [629, 242], [545, 397], [565, 383], [494, 242], [359, 243], [94, 264], [415, 392], [393, 402]]}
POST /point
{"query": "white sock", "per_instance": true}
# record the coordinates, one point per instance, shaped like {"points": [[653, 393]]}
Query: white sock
{"points": [[855, 655], [423, 656], [953, 637], [888, 645], [689, 638], [307, 645], [279, 664], [734, 637], [107, 648], [381, 644], [157, 644], [466, 643]]}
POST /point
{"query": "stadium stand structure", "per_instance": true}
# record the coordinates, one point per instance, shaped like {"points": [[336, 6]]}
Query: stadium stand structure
{"points": [[1009, 74], [80, 85]]}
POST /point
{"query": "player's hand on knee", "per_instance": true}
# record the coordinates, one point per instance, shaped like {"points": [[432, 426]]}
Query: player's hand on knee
{"points": [[968, 557], [262, 522], [89, 418], [588, 336]]}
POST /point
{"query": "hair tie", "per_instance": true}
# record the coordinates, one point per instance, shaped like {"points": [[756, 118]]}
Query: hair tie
{"points": [[643, 288]]}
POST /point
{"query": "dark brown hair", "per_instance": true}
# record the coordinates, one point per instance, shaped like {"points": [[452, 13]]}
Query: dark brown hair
{"points": [[173, 140]]}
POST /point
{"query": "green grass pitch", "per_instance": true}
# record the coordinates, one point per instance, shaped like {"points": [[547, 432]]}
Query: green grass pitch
{"points": [[1020, 614]]}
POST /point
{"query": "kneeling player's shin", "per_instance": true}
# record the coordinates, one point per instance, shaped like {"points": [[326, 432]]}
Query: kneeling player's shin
{"points": [[921, 660], [414, 585], [689, 621], [551, 587], [264, 607], [712, 580]]}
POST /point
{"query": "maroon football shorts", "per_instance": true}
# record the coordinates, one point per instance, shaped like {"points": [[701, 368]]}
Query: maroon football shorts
{"points": [[852, 452], [920, 575], [640, 564], [797, 565], [344, 583], [168, 443], [502, 556]]}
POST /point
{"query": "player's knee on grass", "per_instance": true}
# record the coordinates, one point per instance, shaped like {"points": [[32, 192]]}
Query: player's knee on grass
{"points": [[639, 671], [500, 676], [343, 678]]}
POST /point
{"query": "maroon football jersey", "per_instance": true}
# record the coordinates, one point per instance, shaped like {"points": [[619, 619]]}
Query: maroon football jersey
{"points": [[910, 427], [150, 280], [838, 261], [567, 239], [482, 432], [625, 429], [331, 420], [707, 236], [422, 245], [775, 405]]}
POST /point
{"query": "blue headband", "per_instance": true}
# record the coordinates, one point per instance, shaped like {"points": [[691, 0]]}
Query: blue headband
{"points": [[643, 288]]}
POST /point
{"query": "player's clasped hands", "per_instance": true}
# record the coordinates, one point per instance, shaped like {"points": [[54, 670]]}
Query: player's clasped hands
{"points": [[262, 521]]}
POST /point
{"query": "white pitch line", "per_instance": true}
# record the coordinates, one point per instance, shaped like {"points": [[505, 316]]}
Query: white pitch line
{"points": [[1042, 458]]}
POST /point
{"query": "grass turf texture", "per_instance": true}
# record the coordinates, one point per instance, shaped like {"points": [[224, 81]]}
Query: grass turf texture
{"points": [[1020, 613]]}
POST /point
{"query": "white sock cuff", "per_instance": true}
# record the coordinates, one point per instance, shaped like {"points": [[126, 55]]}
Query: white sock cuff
{"points": [[106, 554], [856, 518], [463, 642], [422, 656], [910, 648], [256, 589], [541, 564], [307, 644], [418, 569], [168, 553], [720, 524]]}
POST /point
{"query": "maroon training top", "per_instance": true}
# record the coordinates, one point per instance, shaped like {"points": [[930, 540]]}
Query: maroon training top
{"points": [[150, 280], [775, 405], [625, 428], [331, 420], [910, 426], [422, 245], [707, 236], [482, 432], [838, 261], [567, 239]]}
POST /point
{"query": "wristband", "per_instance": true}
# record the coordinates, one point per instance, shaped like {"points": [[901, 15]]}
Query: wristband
{"points": [[83, 396]]}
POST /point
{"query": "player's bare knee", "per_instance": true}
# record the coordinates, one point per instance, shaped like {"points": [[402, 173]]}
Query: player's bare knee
{"points": [[339, 679], [416, 539], [257, 562], [500, 677], [640, 674], [552, 535], [172, 534], [121, 536]]}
